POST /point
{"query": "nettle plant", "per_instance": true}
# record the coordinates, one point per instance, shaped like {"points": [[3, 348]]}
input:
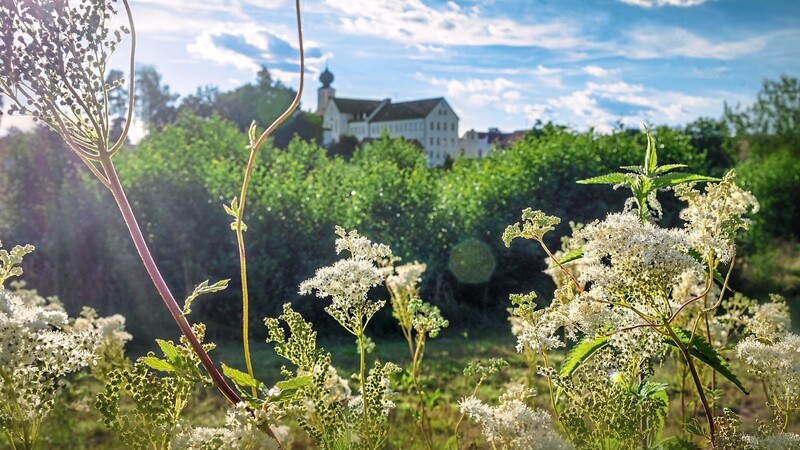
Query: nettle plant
{"points": [[633, 295]]}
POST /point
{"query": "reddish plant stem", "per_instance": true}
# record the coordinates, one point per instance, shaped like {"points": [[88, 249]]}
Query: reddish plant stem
{"points": [[152, 269]]}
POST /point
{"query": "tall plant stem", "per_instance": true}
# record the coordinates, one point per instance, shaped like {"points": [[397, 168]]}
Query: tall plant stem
{"points": [[696, 378], [163, 290], [416, 361], [239, 224]]}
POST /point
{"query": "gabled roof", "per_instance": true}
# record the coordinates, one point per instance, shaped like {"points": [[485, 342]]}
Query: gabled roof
{"points": [[355, 106], [417, 109]]}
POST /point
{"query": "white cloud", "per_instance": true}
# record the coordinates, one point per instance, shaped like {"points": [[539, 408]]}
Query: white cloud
{"points": [[595, 71], [478, 92], [652, 42], [248, 46], [593, 106], [414, 22], [651, 3]]}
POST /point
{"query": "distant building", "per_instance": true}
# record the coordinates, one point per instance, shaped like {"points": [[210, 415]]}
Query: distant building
{"points": [[432, 123], [475, 144]]}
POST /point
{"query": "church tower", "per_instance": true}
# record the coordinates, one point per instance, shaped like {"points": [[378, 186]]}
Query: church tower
{"points": [[326, 92]]}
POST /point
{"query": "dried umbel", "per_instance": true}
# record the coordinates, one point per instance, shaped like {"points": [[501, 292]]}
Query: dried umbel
{"points": [[54, 56]]}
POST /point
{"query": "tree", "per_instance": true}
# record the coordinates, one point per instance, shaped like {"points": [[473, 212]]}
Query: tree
{"points": [[203, 103], [155, 103], [305, 125], [772, 123], [262, 102]]}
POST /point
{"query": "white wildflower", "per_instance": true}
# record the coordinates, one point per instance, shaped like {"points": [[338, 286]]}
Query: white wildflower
{"points": [[780, 441], [714, 217], [513, 425], [34, 353], [778, 365], [769, 320], [635, 263], [348, 281]]}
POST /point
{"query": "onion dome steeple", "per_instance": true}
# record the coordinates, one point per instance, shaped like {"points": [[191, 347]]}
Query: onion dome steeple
{"points": [[326, 78]]}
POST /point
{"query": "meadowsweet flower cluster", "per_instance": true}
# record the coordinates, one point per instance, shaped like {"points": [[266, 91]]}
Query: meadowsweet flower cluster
{"points": [[772, 353], [242, 431], [635, 263], [512, 424], [348, 281], [36, 351], [713, 218]]}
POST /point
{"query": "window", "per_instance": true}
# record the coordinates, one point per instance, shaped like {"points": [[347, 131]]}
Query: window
{"points": [[453, 126], [431, 141], [437, 141], [438, 126], [431, 126]]}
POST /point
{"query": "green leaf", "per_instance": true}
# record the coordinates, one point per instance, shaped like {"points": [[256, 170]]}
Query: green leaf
{"points": [[239, 378], [650, 156], [581, 353], [573, 255], [677, 443], [609, 178], [169, 350], [157, 364], [676, 178], [667, 167], [656, 391], [203, 288], [704, 352], [290, 387], [294, 383]]}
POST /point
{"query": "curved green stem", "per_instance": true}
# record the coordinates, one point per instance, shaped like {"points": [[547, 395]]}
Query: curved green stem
{"points": [[239, 224], [696, 378]]}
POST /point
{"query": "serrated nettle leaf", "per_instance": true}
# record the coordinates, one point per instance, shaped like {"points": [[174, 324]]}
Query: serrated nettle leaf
{"points": [[650, 156], [693, 426], [573, 255], [704, 352], [157, 364], [611, 178], [666, 168], [285, 395], [169, 350], [632, 168], [204, 288], [229, 210], [676, 178], [580, 353], [294, 383], [240, 378]]}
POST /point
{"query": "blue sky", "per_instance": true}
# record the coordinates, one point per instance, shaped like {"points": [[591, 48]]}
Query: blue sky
{"points": [[506, 64]]}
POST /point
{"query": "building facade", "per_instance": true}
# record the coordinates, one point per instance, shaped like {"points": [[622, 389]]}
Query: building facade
{"points": [[431, 123]]}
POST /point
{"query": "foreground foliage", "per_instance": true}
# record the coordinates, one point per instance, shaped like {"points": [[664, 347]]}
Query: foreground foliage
{"points": [[631, 294]]}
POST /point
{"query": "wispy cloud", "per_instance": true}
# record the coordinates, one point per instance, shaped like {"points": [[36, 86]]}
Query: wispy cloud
{"points": [[413, 22], [661, 42], [601, 105], [249, 46], [595, 71], [651, 3]]}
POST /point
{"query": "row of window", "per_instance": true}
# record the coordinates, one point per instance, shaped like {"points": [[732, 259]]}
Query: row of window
{"points": [[443, 126], [443, 141]]}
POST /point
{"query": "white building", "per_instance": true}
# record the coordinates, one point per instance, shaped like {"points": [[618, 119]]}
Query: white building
{"points": [[476, 144], [431, 123]]}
